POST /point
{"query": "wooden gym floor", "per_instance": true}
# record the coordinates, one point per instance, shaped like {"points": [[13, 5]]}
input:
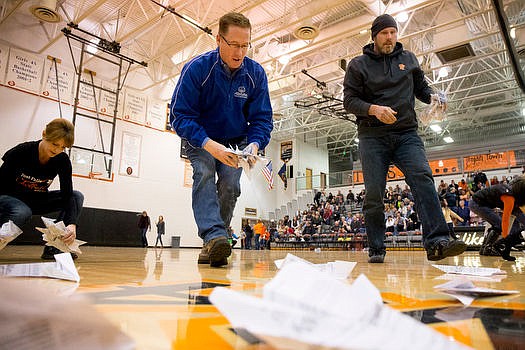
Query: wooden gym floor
{"points": [[158, 296]]}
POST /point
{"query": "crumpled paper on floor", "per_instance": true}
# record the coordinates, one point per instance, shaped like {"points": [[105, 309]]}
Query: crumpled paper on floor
{"points": [[8, 232], [33, 317], [52, 235]]}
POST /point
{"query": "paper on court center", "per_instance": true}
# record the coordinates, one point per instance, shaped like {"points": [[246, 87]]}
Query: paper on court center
{"points": [[339, 269], [63, 268], [466, 292], [310, 306], [52, 234], [470, 270], [8, 232]]}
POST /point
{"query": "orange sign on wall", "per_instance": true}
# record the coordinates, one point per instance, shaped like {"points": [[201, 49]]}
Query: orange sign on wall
{"points": [[489, 161], [444, 166]]}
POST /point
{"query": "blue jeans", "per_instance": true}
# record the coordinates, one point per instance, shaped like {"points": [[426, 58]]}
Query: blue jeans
{"points": [[20, 212], [406, 151], [213, 202]]}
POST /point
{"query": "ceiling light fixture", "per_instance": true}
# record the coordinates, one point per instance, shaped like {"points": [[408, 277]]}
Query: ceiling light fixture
{"points": [[436, 128], [443, 72], [402, 17], [92, 48], [284, 59]]}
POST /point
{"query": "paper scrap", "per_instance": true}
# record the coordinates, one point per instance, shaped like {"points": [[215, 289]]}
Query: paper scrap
{"points": [[8, 232], [52, 234], [339, 268], [466, 292], [34, 317], [63, 268], [470, 270], [243, 160], [305, 304]]}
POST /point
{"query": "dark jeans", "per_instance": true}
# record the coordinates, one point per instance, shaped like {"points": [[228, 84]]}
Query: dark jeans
{"points": [[248, 241], [20, 212], [143, 232], [494, 219], [213, 202], [406, 151]]}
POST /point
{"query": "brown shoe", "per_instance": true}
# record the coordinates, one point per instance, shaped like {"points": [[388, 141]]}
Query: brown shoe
{"points": [[215, 252]]}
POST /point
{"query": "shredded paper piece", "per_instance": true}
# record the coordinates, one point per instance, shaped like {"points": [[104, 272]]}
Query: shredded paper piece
{"points": [[306, 305], [243, 160], [8, 232], [466, 292], [52, 234], [470, 270], [339, 269], [62, 268], [34, 317]]}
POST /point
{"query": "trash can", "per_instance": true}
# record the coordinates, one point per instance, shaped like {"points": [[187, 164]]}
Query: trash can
{"points": [[175, 241]]}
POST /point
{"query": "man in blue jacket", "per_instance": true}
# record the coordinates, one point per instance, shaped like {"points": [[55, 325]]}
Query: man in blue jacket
{"points": [[379, 88], [221, 101]]}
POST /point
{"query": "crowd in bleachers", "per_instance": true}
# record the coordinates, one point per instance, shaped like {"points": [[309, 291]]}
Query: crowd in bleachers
{"points": [[339, 217]]}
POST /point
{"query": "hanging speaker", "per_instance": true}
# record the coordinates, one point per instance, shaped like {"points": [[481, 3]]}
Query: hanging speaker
{"points": [[342, 64]]}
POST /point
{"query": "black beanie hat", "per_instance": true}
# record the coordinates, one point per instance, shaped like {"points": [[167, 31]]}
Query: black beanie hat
{"points": [[382, 22]]}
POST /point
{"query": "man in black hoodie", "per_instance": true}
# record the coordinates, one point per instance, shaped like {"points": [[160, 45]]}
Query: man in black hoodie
{"points": [[379, 88]]}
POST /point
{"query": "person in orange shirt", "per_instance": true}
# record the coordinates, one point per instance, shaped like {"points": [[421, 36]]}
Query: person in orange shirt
{"points": [[259, 230]]}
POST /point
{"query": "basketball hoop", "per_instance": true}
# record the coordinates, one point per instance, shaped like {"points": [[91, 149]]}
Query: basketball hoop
{"points": [[94, 175]]}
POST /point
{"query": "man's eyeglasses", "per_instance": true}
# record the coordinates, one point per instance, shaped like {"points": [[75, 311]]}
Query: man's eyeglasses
{"points": [[235, 45]]}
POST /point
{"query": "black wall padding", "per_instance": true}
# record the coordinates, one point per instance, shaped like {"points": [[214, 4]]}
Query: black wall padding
{"points": [[96, 226]]}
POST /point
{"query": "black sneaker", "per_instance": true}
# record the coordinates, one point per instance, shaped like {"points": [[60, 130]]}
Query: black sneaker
{"points": [[445, 248], [376, 257], [487, 246], [50, 251], [503, 247]]}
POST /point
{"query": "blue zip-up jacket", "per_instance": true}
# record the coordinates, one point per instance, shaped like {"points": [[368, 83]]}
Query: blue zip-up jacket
{"points": [[386, 80], [209, 104]]}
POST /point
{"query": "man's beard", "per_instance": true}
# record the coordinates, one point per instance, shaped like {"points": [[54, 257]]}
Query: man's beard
{"points": [[387, 49]]}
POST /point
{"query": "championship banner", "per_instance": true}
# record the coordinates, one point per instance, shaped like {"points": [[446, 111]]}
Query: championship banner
{"points": [[86, 93], [4, 51], [66, 79], [489, 161], [24, 71], [108, 96], [157, 115], [135, 107]]}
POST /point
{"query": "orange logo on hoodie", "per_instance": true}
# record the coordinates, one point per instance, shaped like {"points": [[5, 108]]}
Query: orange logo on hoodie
{"points": [[401, 66]]}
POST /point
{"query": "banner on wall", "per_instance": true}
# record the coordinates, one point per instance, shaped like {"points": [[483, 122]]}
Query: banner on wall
{"points": [[489, 161], [87, 94], [135, 107], [130, 154], [66, 78], [4, 52], [108, 96], [444, 166], [157, 114], [24, 70], [286, 151]]}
